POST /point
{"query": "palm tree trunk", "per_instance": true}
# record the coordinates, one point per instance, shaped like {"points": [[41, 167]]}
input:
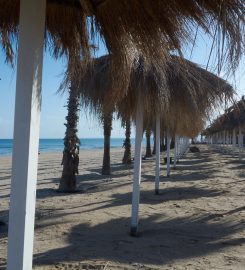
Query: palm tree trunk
{"points": [[172, 144], [107, 122], [148, 143], [127, 144], [162, 144], [70, 159]]}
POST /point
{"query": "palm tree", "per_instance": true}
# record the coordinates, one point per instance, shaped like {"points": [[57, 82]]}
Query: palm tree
{"points": [[127, 159], [107, 124], [70, 159], [148, 142], [162, 144]]}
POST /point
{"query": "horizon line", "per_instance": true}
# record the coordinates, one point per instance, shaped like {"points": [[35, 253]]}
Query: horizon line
{"points": [[57, 138]]}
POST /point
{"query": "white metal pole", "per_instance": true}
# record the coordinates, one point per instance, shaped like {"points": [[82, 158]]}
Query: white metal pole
{"points": [[183, 147], [137, 167], [187, 144], [178, 149], [240, 143], [233, 140], [157, 177], [26, 135], [168, 154], [175, 150], [221, 138]]}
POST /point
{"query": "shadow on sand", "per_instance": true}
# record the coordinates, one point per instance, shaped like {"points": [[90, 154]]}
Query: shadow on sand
{"points": [[160, 241], [116, 200]]}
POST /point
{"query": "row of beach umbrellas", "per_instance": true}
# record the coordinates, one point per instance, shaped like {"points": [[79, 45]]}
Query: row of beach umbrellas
{"points": [[178, 104], [141, 37], [228, 129]]}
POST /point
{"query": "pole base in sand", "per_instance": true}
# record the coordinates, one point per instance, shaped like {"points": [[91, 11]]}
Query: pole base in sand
{"points": [[156, 191], [134, 231], [174, 168]]}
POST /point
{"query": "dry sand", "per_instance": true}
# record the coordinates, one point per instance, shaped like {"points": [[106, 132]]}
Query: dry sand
{"points": [[197, 221]]}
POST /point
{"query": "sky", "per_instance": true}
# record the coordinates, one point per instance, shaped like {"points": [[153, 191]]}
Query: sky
{"points": [[53, 109]]}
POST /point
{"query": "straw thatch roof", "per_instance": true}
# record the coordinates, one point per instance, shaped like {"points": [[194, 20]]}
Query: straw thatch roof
{"points": [[133, 27], [184, 96], [145, 22], [66, 27], [233, 117], [195, 93], [152, 28]]}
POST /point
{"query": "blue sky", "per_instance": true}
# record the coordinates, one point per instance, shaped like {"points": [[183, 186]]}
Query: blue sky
{"points": [[53, 111]]}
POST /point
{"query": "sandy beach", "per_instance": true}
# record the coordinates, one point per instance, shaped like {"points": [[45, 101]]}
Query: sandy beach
{"points": [[196, 222]]}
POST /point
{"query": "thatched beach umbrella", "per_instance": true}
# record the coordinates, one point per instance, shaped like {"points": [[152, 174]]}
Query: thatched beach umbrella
{"points": [[191, 91], [204, 88], [181, 100]]}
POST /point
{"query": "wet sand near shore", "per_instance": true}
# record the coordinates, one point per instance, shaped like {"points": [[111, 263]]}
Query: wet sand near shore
{"points": [[196, 222]]}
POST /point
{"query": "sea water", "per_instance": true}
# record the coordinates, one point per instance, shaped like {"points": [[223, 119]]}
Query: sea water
{"points": [[57, 145]]}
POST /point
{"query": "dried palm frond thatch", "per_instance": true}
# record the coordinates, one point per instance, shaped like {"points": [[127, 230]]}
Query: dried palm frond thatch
{"points": [[152, 28], [66, 27], [133, 28], [186, 94], [195, 92], [232, 118]]}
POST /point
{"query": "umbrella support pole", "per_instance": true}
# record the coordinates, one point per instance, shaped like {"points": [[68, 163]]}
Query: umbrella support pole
{"points": [[224, 133], [178, 149], [137, 168], [234, 140], [168, 155], [157, 172], [240, 143], [175, 151], [26, 134]]}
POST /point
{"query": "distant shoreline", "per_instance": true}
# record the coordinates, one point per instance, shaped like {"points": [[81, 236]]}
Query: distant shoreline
{"points": [[57, 145], [99, 138]]}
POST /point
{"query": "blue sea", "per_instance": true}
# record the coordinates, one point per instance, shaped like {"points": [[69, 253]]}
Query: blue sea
{"points": [[57, 145]]}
